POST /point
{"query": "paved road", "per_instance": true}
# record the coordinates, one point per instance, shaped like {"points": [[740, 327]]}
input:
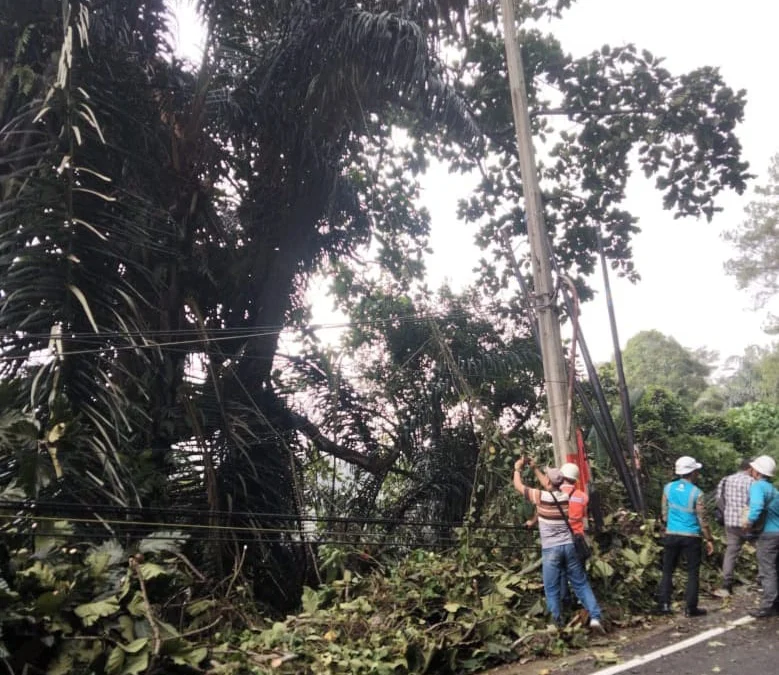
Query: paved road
{"points": [[750, 649]]}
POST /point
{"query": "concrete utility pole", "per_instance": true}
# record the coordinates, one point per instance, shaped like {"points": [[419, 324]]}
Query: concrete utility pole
{"points": [[548, 320]]}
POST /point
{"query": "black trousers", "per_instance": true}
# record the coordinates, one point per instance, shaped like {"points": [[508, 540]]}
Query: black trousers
{"points": [[674, 546]]}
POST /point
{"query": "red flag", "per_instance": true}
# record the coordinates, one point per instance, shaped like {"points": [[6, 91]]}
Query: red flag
{"points": [[580, 459]]}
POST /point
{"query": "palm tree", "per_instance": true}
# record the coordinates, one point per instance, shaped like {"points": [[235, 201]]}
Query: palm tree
{"points": [[153, 218]]}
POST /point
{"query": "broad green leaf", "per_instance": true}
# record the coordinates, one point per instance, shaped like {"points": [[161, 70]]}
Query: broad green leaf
{"points": [[452, 607], [126, 628], [42, 572], [49, 603], [164, 541], [631, 555], [107, 554], [90, 612], [137, 606], [310, 600], [192, 658], [167, 630], [504, 590], [602, 569], [136, 664], [115, 661], [199, 606], [135, 646], [152, 570]]}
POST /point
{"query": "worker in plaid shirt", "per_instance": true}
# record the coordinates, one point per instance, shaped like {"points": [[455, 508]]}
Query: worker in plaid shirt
{"points": [[732, 499]]}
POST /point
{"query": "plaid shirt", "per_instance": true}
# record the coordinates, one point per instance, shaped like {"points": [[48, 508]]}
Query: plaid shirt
{"points": [[734, 489]]}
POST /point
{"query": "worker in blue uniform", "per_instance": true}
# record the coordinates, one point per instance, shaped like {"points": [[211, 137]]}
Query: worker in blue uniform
{"points": [[685, 529], [763, 514]]}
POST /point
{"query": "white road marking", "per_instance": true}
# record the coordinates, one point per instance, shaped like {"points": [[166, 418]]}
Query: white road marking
{"points": [[679, 646]]}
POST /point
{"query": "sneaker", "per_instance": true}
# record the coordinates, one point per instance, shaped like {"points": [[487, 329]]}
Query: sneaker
{"points": [[695, 611], [663, 608], [763, 613], [725, 592], [596, 625]]}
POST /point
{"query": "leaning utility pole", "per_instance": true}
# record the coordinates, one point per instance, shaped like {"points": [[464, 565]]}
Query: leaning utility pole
{"points": [[624, 395], [548, 320]]}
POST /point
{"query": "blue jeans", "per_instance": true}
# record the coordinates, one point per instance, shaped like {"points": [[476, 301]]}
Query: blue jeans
{"points": [[555, 561]]}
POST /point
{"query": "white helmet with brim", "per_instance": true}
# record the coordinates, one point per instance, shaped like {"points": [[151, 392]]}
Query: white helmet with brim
{"points": [[764, 465], [686, 465]]}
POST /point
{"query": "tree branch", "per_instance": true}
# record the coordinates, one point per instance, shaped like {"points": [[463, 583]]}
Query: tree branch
{"points": [[373, 465]]}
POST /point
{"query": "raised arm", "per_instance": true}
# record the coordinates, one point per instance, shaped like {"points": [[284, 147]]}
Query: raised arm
{"points": [[541, 477], [519, 486]]}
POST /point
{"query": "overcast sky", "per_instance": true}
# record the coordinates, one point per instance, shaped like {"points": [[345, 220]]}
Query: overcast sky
{"points": [[684, 291]]}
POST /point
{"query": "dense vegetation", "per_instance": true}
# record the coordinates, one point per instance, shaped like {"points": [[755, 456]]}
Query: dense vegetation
{"points": [[171, 475]]}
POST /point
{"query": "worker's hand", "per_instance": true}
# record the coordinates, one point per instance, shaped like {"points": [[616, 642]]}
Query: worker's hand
{"points": [[709, 547], [520, 464], [529, 524], [531, 462]]}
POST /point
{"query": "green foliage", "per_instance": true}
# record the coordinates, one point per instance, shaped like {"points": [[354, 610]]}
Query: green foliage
{"points": [[159, 225], [752, 377], [659, 416], [441, 613], [755, 264], [653, 359], [70, 608], [422, 390], [666, 429], [758, 423], [616, 104], [123, 252]]}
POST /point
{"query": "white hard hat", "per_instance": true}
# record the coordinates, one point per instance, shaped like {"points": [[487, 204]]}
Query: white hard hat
{"points": [[570, 471], [764, 465], [685, 465]]}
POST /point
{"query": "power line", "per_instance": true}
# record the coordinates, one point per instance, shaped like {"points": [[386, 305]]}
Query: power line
{"points": [[204, 513], [238, 331], [238, 334], [445, 544], [173, 532]]}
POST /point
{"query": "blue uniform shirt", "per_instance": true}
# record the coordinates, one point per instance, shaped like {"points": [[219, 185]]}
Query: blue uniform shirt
{"points": [[681, 497], [764, 496]]}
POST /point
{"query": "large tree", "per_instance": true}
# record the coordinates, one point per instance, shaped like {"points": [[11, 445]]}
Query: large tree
{"points": [[596, 119], [752, 377], [157, 222], [654, 359], [755, 264], [158, 225]]}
